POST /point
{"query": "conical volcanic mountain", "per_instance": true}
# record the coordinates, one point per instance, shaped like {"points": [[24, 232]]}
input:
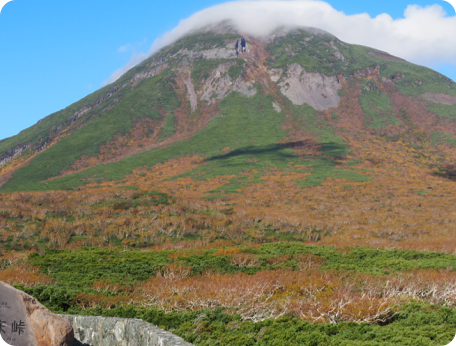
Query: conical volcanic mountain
{"points": [[297, 131]]}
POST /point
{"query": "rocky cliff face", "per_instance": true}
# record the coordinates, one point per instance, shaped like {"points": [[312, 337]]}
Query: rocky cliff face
{"points": [[13, 153], [315, 89]]}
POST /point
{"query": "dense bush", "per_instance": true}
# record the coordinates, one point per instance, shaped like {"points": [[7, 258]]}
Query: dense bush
{"points": [[81, 268]]}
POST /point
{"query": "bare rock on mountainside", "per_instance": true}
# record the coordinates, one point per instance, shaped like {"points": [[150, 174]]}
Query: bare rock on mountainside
{"points": [[315, 89], [440, 98], [26, 322]]}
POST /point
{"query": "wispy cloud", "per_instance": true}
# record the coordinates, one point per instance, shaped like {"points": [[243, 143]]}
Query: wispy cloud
{"points": [[132, 47], [125, 48], [426, 35]]}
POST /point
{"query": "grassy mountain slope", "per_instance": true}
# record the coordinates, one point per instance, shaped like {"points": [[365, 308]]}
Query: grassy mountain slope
{"points": [[156, 98]]}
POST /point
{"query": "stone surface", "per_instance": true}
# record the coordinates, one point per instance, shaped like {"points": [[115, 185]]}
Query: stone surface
{"points": [[440, 98], [315, 89], [276, 107], [26, 322], [219, 84], [16, 151], [111, 331]]}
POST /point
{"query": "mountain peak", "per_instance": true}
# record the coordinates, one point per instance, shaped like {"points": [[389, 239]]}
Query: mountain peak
{"points": [[188, 87]]}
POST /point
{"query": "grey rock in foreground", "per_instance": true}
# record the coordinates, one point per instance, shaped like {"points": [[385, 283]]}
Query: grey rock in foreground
{"points": [[111, 331], [25, 322]]}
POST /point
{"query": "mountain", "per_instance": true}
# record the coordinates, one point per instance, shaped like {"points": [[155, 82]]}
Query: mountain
{"points": [[268, 100], [259, 122]]}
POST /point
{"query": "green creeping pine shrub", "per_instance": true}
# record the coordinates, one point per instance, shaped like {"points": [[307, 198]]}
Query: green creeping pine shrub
{"points": [[415, 324], [81, 268]]}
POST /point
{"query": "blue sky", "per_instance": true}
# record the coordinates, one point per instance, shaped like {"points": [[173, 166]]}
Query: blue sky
{"points": [[55, 52]]}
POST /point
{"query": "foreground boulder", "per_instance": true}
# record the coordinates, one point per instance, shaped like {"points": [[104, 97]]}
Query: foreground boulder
{"points": [[26, 322]]}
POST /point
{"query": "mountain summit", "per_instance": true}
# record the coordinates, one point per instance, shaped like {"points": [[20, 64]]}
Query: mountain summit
{"points": [[239, 106]]}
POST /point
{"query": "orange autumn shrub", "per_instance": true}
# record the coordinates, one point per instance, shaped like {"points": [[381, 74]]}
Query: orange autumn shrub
{"points": [[86, 301], [24, 274], [176, 255], [114, 287], [308, 261], [245, 260], [174, 271], [227, 252], [278, 259], [314, 295]]}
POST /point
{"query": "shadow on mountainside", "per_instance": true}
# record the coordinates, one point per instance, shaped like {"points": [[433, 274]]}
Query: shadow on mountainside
{"points": [[332, 149], [275, 149]]}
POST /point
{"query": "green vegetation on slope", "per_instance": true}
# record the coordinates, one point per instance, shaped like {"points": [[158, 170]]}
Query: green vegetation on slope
{"points": [[196, 42], [236, 70], [440, 138], [251, 129], [150, 94], [317, 53], [249, 150], [168, 127], [377, 107], [41, 131], [307, 50], [415, 325], [83, 267], [445, 111], [202, 68], [412, 324]]}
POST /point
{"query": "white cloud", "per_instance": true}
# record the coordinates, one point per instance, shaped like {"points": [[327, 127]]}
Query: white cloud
{"points": [[426, 35], [135, 59], [125, 48]]}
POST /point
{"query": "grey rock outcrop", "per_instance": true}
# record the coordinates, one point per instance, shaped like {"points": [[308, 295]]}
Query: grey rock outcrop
{"points": [[88, 108], [191, 94], [440, 98], [16, 151], [315, 89], [209, 54], [149, 73], [276, 107], [219, 84]]}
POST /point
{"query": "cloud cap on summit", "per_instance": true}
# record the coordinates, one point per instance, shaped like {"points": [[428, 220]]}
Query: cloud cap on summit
{"points": [[431, 44]]}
